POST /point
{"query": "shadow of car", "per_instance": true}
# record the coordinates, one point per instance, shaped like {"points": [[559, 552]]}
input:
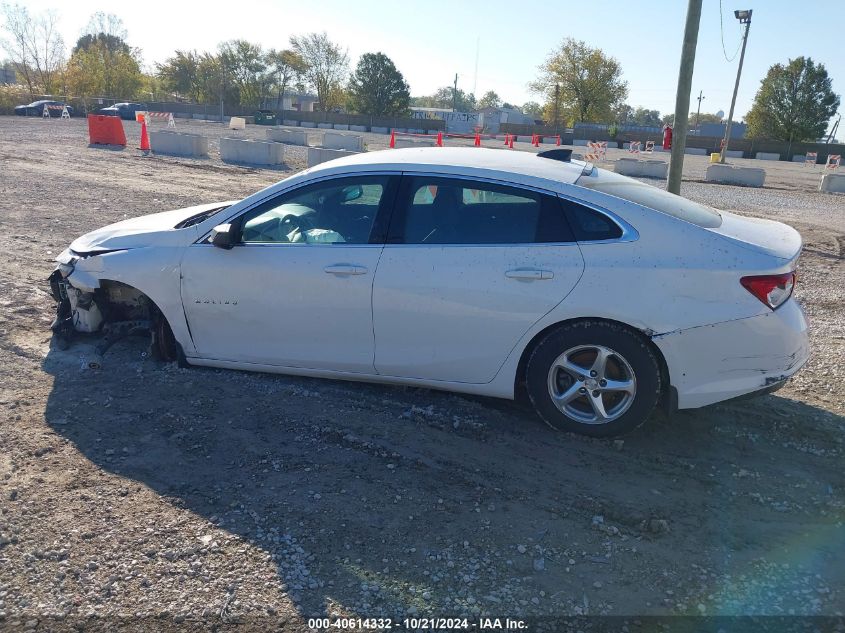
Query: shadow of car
{"points": [[36, 108]]}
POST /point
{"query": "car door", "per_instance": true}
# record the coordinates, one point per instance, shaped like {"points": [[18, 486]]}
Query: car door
{"points": [[469, 267], [296, 289]]}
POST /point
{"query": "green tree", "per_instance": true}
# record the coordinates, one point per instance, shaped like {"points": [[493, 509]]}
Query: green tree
{"points": [[645, 117], [532, 108], [377, 88], [326, 66], [180, 74], [489, 100], [795, 102], [284, 66], [245, 67], [589, 82], [445, 97]]}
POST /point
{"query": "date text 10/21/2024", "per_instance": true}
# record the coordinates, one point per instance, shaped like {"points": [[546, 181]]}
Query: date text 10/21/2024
{"points": [[416, 624]]}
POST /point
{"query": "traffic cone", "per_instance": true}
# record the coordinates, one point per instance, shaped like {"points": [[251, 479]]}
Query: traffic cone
{"points": [[511, 143], [145, 139], [392, 139], [440, 139], [507, 138], [477, 139], [557, 140], [536, 141]]}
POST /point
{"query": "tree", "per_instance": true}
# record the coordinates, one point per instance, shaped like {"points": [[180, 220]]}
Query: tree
{"points": [[704, 117], [445, 97], [326, 66], [377, 88], [646, 117], [180, 74], [795, 102], [623, 114], [34, 46], [532, 108], [284, 66], [246, 68], [489, 100], [590, 83]]}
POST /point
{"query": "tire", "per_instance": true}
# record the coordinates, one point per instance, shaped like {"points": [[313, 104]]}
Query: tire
{"points": [[614, 400]]}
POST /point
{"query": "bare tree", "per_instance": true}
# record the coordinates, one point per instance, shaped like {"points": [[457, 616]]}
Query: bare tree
{"points": [[34, 46], [326, 66]]}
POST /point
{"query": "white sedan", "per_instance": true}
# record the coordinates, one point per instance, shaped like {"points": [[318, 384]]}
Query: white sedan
{"points": [[471, 270]]}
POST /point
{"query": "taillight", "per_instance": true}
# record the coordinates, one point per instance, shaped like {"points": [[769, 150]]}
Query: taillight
{"points": [[772, 290]]}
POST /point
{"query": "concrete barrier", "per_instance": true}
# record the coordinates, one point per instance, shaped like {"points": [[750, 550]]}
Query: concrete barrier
{"points": [[237, 123], [178, 144], [307, 124], [357, 128], [341, 126], [415, 142], [251, 152], [523, 139], [734, 153], [351, 142], [288, 137], [580, 142], [324, 126], [379, 130], [696, 151], [767, 156], [730, 175], [290, 122], [832, 183], [642, 168], [799, 158], [317, 155]]}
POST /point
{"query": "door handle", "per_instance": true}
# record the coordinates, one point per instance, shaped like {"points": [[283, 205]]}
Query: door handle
{"points": [[529, 273], [345, 269]]}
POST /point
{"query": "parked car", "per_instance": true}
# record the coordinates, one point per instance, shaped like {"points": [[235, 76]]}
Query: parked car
{"points": [[123, 110], [472, 270], [36, 108]]}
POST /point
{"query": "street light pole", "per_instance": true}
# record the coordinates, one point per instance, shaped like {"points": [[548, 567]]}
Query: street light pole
{"points": [[698, 112], [744, 17]]}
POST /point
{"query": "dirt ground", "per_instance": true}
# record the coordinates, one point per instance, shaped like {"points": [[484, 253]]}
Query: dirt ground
{"points": [[147, 491]]}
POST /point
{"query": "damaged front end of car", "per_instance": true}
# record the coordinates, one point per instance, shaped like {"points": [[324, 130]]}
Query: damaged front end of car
{"points": [[103, 310]]}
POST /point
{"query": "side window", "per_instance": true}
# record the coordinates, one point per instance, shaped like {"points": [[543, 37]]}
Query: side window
{"points": [[589, 225], [455, 211], [337, 211]]}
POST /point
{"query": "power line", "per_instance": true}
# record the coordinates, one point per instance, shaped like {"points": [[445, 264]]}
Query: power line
{"points": [[722, 31]]}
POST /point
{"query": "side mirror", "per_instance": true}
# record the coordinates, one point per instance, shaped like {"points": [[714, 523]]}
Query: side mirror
{"points": [[223, 236]]}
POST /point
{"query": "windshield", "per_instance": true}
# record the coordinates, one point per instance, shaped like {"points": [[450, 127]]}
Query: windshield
{"points": [[648, 196]]}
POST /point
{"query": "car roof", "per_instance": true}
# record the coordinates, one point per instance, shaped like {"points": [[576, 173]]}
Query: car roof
{"points": [[467, 161]]}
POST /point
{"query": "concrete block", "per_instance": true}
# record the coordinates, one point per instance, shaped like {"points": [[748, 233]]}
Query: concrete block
{"points": [[523, 139], [379, 130], [415, 142], [696, 151], [178, 144], [317, 155], [336, 140], [288, 137], [767, 156], [358, 128], [730, 175], [401, 130], [290, 122], [341, 126], [307, 124], [642, 168], [252, 152], [799, 158], [832, 183], [613, 145], [580, 142], [324, 126], [415, 130], [734, 153], [237, 123]]}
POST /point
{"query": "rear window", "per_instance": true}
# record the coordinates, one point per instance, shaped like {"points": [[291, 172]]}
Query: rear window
{"points": [[648, 196]]}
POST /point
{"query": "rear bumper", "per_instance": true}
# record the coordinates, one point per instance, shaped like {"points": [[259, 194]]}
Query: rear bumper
{"points": [[712, 363]]}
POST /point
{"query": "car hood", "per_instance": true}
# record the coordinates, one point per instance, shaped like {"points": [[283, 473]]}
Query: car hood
{"points": [[763, 236], [145, 230]]}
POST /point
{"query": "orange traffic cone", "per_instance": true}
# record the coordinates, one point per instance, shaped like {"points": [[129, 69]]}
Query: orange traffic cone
{"points": [[477, 139], [392, 139], [557, 140], [440, 139], [536, 140], [511, 142], [507, 138], [145, 139]]}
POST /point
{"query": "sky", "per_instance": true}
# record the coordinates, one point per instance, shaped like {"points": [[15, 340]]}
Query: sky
{"points": [[431, 41]]}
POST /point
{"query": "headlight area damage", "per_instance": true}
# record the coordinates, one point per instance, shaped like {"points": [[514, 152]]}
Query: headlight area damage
{"points": [[107, 310]]}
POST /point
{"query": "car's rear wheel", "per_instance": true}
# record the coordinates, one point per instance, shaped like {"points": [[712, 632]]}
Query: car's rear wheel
{"points": [[596, 378]]}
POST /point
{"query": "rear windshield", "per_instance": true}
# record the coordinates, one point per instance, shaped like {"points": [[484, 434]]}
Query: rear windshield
{"points": [[658, 199]]}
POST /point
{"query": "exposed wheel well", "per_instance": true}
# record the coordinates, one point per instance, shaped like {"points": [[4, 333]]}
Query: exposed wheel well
{"points": [[520, 392]]}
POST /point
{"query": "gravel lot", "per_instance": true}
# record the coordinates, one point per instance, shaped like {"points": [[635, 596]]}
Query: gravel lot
{"points": [[210, 496]]}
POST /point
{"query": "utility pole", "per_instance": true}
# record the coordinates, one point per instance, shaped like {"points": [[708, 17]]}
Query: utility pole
{"points": [[455, 95], [698, 112], [679, 132], [557, 102], [222, 87], [744, 17]]}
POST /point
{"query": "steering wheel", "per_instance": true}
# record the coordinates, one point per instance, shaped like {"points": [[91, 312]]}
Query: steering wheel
{"points": [[292, 222]]}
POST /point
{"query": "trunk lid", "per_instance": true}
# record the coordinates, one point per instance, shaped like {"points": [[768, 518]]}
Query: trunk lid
{"points": [[763, 236]]}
